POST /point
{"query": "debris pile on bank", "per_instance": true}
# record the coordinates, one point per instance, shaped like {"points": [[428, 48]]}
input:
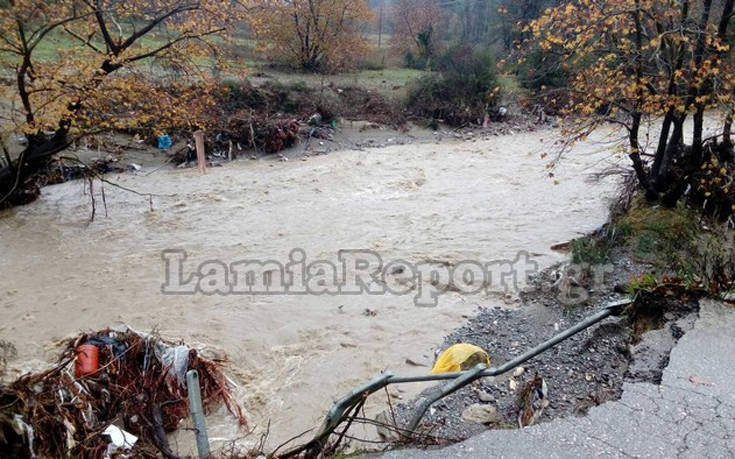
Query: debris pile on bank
{"points": [[127, 393], [270, 135]]}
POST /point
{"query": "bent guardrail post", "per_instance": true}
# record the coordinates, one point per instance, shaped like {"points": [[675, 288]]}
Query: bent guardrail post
{"points": [[336, 414], [453, 386], [460, 379], [466, 377]]}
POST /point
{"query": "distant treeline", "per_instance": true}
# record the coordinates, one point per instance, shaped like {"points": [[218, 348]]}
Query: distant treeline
{"points": [[478, 22]]}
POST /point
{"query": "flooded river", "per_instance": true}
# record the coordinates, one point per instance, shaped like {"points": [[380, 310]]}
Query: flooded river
{"points": [[292, 356]]}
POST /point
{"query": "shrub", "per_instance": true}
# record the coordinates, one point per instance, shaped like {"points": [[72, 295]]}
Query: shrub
{"points": [[645, 281], [241, 95], [712, 189], [463, 90], [540, 69], [374, 60], [415, 62], [596, 248]]}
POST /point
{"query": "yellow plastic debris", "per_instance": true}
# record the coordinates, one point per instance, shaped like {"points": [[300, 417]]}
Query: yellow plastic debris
{"points": [[460, 357]]}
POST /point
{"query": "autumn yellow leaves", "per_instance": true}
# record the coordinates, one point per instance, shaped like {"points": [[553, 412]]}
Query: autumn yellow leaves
{"points": [[92, 65], [315, 35]]}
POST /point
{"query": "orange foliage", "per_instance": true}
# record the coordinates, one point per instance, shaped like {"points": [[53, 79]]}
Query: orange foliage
{"points": [[113, 65], [646, 62], [315, 35], [638, 57]]}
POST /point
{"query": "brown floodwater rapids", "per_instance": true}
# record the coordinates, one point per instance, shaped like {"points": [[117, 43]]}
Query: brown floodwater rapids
{"points": [[291, 356]]}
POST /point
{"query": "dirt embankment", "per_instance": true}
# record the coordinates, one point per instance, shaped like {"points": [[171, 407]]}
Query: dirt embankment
{"points": [[583, 371]]}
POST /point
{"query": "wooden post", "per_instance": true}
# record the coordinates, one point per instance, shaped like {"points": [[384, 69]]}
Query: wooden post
{"points": [[380, 26], [201, 158]]}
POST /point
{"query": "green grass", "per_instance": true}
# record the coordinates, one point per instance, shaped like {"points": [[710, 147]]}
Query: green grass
{"points": [[391, 83], [659, 235], [677, 242], [382, 72], [652, 234], [48, 49], [646, 281], [597, 248]]}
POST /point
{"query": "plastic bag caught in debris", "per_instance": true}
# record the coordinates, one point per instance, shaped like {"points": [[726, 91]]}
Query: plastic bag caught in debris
{"points": [[119, 439], [176, 359], [164, 142], [139, 387], [25, 430]]}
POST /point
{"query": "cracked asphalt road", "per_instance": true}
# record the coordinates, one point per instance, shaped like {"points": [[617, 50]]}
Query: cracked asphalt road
{"points": [[691, 414]]}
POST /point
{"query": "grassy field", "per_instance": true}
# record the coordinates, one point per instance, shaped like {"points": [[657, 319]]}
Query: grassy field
{"points": [[391, 83], [50, 49], [380, 70]]}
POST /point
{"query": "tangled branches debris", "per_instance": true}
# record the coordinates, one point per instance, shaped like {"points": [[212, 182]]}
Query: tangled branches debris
{"points": [[59, 170], [138, 386], [270, 135]]}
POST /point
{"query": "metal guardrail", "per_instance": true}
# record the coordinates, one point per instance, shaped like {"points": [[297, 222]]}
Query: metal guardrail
{"points": [[342, 407]]}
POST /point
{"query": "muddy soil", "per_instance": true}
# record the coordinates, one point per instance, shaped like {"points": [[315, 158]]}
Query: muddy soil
{"points": [[583, 371], [126, 152]]}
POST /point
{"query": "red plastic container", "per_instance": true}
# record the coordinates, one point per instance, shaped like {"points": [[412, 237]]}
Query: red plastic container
{"points": [[88, 360]]}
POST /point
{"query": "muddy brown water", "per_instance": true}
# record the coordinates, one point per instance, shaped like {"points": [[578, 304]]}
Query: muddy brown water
{"points": [[291, 356]]}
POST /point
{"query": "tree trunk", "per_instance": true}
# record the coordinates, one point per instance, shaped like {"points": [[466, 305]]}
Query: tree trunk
{"points": [[696, 157], [662, 180], [725, 149], [7, 176], [36, 155], [635, 154], [663, 140], [635, 157]]}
